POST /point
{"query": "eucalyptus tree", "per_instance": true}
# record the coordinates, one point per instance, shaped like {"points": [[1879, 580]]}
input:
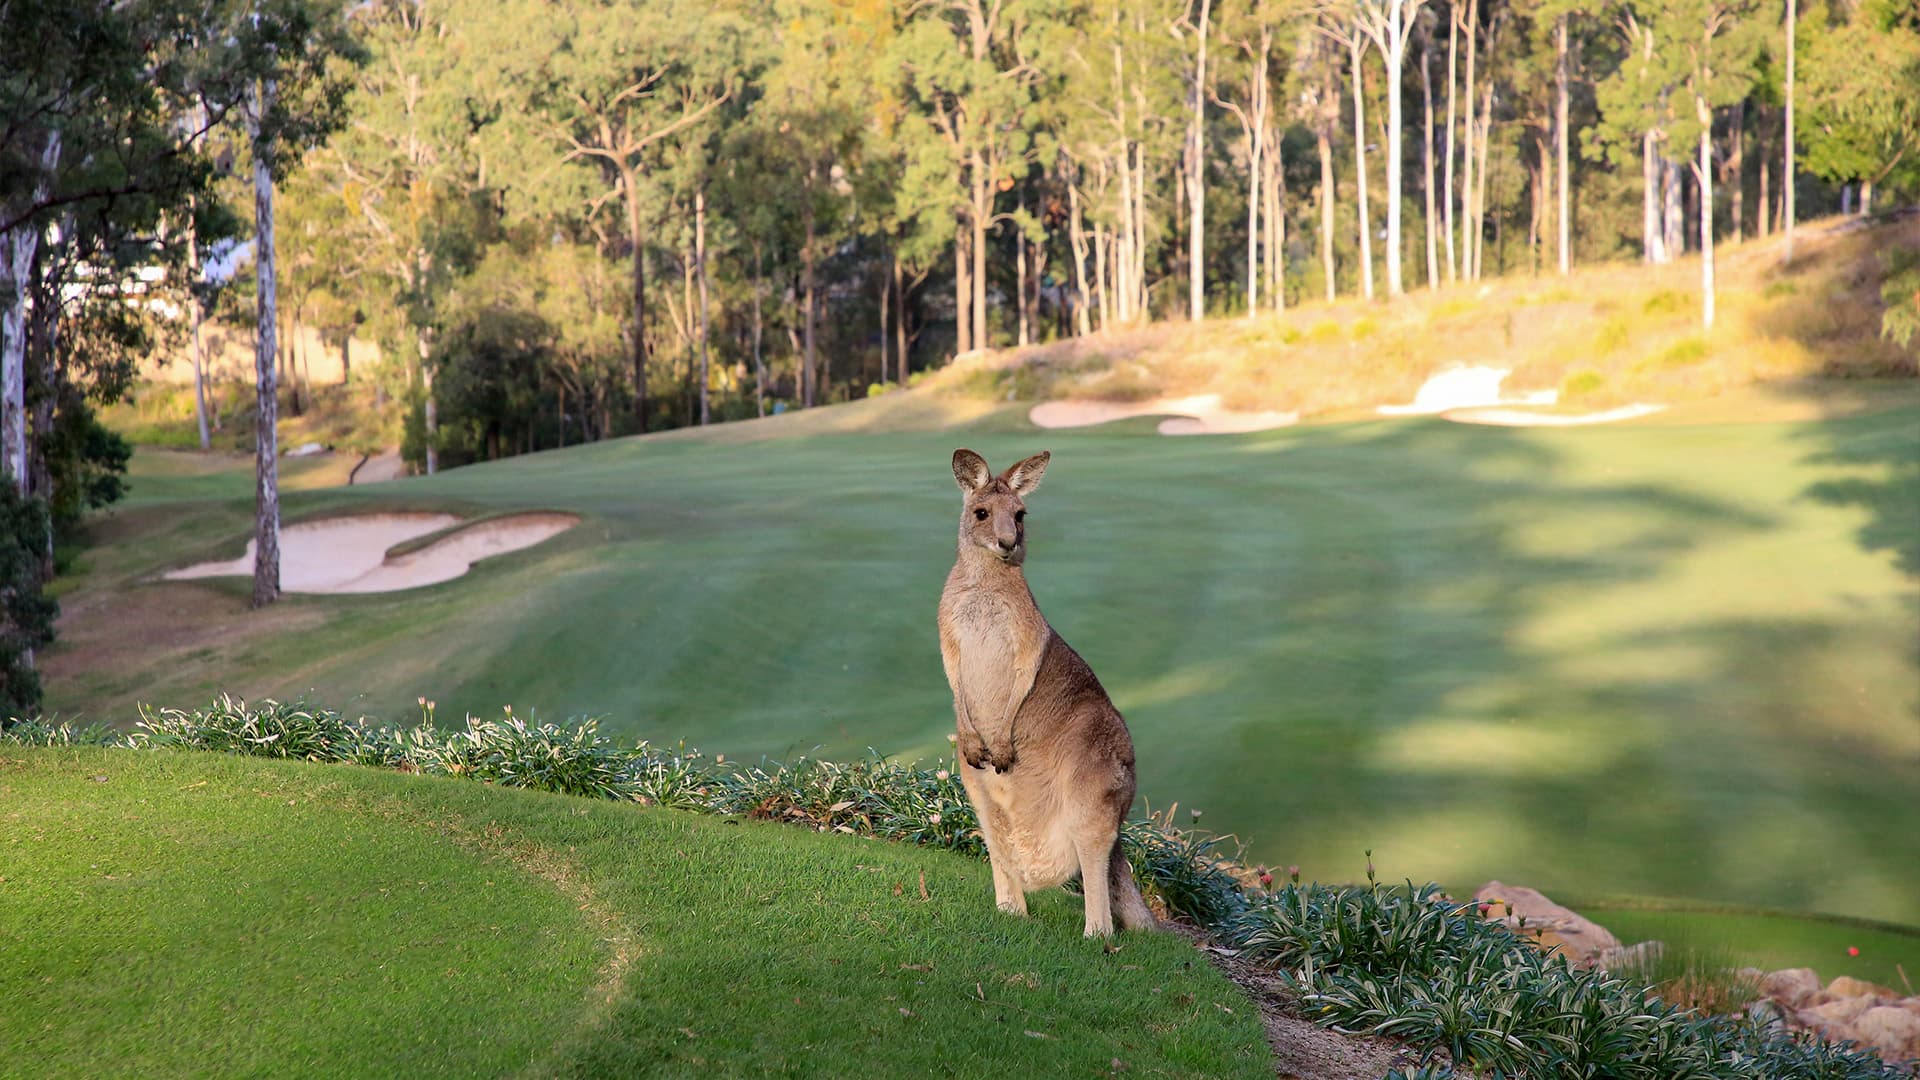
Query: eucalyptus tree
{"points": [[1710, 46], [1248, 78], [1862, 98], [965, 69], [1196, 22], [597, 96], [1390, 26]]}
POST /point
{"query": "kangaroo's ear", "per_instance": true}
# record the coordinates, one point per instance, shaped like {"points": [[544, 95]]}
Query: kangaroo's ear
{"points": [[970, 469], [1025, 476]]}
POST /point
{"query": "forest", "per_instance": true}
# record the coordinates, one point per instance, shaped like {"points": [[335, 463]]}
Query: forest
{"points": [[569, 221]]}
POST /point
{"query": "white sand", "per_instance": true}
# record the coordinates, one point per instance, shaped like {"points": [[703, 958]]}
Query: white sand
{"points": [[349, 554], [1202, 414], [1523, 418], [1463, 387]]}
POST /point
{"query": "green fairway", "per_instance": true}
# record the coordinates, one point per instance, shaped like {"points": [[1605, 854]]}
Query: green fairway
{"points": [[1667, 659], [173, 914]]}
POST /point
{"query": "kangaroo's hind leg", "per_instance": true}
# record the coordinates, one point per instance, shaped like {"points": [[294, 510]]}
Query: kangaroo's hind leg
{"points": [[1008, 894], [1129, 909]]}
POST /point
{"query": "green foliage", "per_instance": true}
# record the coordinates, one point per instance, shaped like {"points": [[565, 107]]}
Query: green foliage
{"points": [[1408, 962], [1398, 961], [26, 612], [1861, 95], [88, 463], [1683, 353], [1581, 383], [1901, 294]]}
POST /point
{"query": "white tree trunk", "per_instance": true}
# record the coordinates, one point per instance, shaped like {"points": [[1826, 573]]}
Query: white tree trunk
{"points": [[1393, 56], [1561, 134], [1704, 173], [1453, 34], [1786, 167], [1356, 49], [266, 555], [1653, 244], [700, 256], [1197, 177], [18, 249], [1426, 156]]}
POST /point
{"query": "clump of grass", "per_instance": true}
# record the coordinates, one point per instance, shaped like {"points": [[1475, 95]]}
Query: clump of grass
{"points": [[1612, 335], [1667, 302], [1777, 289], [1705, 979], [1581, 383], [1323, 331], [1686, 352], [1454, 306], [1363, 328]]}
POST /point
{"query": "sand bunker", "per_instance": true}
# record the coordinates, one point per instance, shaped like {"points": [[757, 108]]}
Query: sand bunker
{"points": [[1463, 387], [1202, 414], [349, 554], [1523, 418]]}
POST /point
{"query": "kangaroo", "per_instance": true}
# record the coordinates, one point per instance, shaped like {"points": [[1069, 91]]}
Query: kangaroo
{"points": [[1046, 759]]}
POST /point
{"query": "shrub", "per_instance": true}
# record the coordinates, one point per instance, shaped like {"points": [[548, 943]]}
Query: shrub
{"points": [[1402, 961], [1683, 353], [1581, 383], [26, 611], [1667, 302]]}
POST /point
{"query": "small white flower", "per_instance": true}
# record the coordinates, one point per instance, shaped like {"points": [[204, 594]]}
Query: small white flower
{"points": [[934, 818], [943, 775]]}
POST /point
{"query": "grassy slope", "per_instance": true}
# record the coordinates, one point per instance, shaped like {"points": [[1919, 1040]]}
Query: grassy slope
{"points": [[310, 920], [1660, 659]]}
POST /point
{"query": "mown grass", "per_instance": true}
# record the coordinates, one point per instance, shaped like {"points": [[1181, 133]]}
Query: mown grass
{"points": [[196, 914]]}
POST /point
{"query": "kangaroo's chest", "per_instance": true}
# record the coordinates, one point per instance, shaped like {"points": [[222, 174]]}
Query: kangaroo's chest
{"points": [[994, 637]]}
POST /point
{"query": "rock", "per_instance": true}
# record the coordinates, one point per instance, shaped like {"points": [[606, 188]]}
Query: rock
{"points": [[1549, 924], [1640, 957], [1838, 1012], [1894, 1032], [1792, 987], [1767, 1014], [1846, 986]]}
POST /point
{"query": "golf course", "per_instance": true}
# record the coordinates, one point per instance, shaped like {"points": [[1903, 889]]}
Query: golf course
{"points": [[1671, 658]]}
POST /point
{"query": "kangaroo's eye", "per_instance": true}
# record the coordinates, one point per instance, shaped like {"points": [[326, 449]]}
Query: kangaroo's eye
{"points": [[1019, 515], [980, 513]]}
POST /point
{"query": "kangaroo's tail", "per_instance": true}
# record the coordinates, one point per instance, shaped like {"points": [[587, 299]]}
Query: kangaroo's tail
{"points": [[1129, 910]]}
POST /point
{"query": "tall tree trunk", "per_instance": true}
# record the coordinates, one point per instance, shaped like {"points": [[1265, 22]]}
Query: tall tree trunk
{"points": [[195, 315], [1736, 180], [1446, 178], [759, 355], [1763, 207], [1653, 238], [423, 347], [1256, 177], [1102, 257], [1077, 239], [629, 191], [1277, 221], [962, 289], [1426, 157], [1673, 221], [886, 327], [266, 556], [1393, 58], [1325, 142], [1561, 137], [1703, 173], [21, 244], [809, 374], [1023, 332], [700, 254], [1356, 47], [900, 339], [1197, 177], [1467, 221], [982, 213], [1786, 165], [1483, 142]]}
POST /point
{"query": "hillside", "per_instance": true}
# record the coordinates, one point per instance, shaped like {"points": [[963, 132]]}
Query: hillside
{"points": [[173, 914]]}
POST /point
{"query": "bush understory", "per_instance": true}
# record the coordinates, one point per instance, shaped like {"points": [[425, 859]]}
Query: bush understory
{"points": [[1400, 961]]}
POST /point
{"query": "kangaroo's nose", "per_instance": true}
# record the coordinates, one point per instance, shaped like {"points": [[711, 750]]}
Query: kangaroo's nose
{"points": [[1008, 543]]}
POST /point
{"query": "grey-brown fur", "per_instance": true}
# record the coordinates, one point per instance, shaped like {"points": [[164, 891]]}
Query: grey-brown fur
{"points": [[1045, 757]]}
